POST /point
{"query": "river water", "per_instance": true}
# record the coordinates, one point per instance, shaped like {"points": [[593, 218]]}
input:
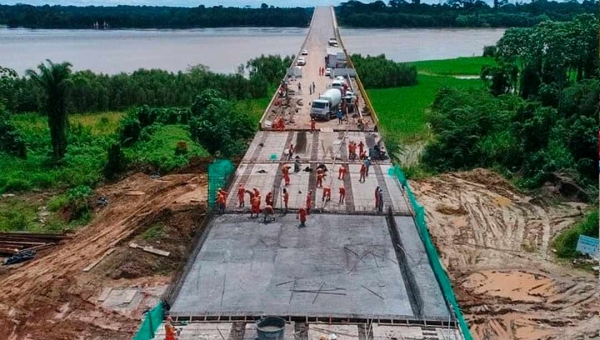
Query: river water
{"points": [[221, 49]]}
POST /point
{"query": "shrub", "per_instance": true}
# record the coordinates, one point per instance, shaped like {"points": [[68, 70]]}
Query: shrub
{"points": [[11, 140], [116, 162], [379, 72], [566, 242]]}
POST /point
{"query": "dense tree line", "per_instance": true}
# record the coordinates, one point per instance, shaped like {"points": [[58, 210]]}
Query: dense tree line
{"points": [[540, 114], [151, 16], [458, 13], [92, 92], [377, 72]]}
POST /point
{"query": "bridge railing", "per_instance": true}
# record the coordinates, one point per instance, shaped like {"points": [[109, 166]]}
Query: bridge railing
{"points": [[361, 88]]}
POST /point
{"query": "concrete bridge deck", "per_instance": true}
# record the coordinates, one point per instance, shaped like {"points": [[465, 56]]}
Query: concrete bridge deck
{"points": [[365, 264]]}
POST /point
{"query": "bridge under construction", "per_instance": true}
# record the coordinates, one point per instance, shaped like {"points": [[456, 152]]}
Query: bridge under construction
{"points": [[357, 270]]}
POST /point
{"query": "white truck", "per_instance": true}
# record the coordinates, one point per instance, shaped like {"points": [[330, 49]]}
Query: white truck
{"points": [[326, 106]]}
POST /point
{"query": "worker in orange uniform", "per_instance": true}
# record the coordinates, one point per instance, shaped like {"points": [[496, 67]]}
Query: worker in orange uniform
{"points": [[255, 206], [312, 125], [285, 170], [308, 202], [170, 332], [320, 180], [286, 199], [361, 147], [269, 199], [241, 193], [342, 172], [342, 194], [256, 193], [352, 151], [363, 173], [269, 211], [302, 214], [326, 194]]}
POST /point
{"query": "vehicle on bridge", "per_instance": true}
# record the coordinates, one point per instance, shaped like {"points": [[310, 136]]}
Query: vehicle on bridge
{"points": [[333, 42], [326, 106], [304, 52], [301, 61]]}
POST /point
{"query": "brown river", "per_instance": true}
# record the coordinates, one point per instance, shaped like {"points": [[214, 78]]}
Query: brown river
{"points": [[221, 49]]}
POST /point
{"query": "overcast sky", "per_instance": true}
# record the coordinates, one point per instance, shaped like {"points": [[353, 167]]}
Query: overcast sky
{"points": [[190, 3]]}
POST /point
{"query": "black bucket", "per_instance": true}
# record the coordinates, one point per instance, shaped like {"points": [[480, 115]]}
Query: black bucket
{"points": [[270, 328]]}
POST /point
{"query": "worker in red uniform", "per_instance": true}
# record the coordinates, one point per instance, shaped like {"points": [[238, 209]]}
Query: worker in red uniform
{"points": [[361, 147], [256, 193], [326, 194], [312, 125], [241, 193], [363, 173], [170, 332], [308, 201], [269, 199], [320, 180], [342, 172], [352, 151], [302, 214], [285, 170], [269, 211], [286, 198], [342, 194], [255, 203]]}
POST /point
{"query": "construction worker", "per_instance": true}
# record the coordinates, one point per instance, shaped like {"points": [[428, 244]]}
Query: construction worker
{"points": [[308, 202], [380, 200], [340, 116], [361, 147], [342, 172], [326, 194], [342, 194], [320, 179], [302, 214], [363, 172], [286, 198], [377, 198], [269, 199], [352, 150], [312, 125], [285, 170], [255, 203], [241, 193], [221, 199], [256, 193], [170, 332], [269, 211], [291, 152], [367, 164]]}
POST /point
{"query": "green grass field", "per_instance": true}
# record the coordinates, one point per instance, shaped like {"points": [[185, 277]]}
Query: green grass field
{"points": [[469, 66], [402, 110]]}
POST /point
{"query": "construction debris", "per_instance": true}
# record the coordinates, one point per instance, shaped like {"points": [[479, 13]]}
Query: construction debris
{"points": [[93, 264], [149, 249], [13, 243]]}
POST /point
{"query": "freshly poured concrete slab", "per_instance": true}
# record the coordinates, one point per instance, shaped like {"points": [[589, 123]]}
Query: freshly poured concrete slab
{"points": [[247, 267], [434, 303]]}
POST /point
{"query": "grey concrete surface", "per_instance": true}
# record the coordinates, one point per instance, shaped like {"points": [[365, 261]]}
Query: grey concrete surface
{"points": [[250, 267], [434, 304]]}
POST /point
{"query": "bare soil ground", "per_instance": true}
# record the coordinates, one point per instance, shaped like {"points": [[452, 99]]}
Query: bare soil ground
{"points": [[51, 297], [496, 245]]}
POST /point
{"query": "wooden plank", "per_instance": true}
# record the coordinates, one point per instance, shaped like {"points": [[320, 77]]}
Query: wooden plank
{"points": [[93, 264], [104, 294], [150, 249]]}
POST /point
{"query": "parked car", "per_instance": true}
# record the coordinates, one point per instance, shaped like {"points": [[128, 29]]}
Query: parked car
{"points": [[301, 61]]}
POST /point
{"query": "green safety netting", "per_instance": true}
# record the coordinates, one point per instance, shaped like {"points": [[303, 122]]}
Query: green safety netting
{"points": [[150, 324], [218, 174], [432, 253]]}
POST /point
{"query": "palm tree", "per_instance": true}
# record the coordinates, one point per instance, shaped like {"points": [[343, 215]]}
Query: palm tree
{"points": [[55, 78]]}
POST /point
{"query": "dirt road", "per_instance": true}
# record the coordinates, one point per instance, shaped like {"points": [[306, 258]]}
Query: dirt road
{"points": [[52, 298], [496, 244]]}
